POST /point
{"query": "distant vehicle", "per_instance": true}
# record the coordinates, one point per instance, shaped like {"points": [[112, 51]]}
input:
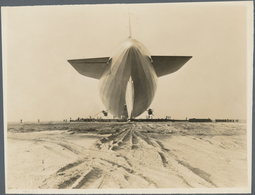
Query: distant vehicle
{"points": [[200, 120], [128, 79]]}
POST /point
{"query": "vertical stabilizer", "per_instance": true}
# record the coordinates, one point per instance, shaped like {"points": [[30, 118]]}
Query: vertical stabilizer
{"points": [[130, 32]]}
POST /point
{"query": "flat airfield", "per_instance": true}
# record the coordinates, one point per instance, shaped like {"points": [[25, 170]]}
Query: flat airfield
{"points": [[99, 155]]}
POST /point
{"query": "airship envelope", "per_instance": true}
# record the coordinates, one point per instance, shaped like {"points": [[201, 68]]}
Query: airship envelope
{"points": [[128, 79]]}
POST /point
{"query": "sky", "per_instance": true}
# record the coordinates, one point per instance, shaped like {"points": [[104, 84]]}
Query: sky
{"points": [[39, 83]]}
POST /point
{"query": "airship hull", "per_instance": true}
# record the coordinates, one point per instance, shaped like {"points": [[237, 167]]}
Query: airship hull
{"points": [[128, 80], [132, 64]]}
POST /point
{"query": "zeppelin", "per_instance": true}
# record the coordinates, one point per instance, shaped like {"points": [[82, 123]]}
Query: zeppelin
{"points": [[128, 79]]}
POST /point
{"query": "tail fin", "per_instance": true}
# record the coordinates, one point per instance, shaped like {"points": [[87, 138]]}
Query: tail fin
{"points": [[164, 65], [90, 67], [130, 32]]}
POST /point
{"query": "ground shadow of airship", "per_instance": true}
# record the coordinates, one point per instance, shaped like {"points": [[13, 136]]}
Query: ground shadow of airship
{"points": [[128, 79]]}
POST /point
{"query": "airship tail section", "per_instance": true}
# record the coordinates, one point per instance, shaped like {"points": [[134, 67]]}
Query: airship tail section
{"points": [[128, 79], [164, 65], [91, 67]]}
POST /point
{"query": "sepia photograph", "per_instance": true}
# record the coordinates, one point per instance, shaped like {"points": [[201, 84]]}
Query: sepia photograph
{"points": [[128, 98]]}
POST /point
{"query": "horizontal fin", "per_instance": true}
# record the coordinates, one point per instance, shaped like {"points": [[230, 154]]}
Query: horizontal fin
{"points": [[90, 67], [165, 65]]}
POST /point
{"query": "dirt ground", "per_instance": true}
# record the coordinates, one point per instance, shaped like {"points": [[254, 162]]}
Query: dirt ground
{"points": [[126, 155]]}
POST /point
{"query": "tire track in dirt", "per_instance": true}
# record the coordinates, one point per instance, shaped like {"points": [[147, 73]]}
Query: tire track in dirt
{"points": [[202, 174], [132, 159], [199, 172], [69, 166]]}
